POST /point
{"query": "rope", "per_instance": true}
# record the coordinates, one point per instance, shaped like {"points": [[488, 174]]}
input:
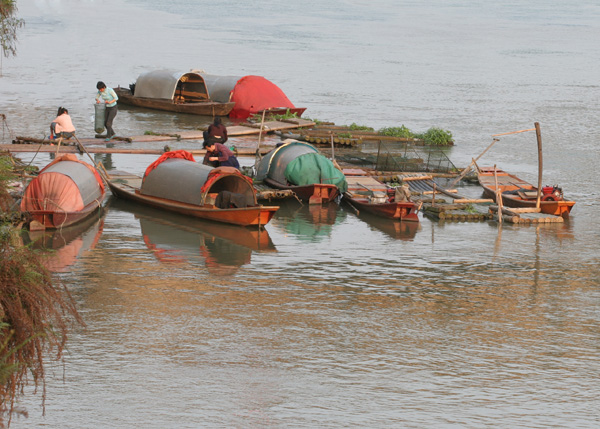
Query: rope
{"points": [[5, 125]]}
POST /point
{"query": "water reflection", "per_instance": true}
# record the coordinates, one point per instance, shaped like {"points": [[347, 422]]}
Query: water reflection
{"points": [[308, 221], [180, 240], [66, 244], [394, 228]]}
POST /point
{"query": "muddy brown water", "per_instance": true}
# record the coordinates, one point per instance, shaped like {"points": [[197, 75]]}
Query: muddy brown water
{"points": [[330, 320]]}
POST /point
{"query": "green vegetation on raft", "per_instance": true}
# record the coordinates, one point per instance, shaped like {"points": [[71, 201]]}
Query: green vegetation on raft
{"points": [[433, 136], [274, 117], [356, 127]]}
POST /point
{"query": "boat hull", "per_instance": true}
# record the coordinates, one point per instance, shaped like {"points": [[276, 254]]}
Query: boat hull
{"points": [[509, 182], [316, 193], [404, 210], [207, 108], [50, 219], [248, 216]]}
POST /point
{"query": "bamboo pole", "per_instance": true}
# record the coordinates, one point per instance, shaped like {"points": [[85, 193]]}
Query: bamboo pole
{"points": [[98, 166], [332, 149], [60, 139], [473, 161], [262, 123], [513, 132], [540, 163], [498, 196]]}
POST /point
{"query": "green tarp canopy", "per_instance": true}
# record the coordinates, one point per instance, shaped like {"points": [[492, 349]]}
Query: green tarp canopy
{"points": [[313, 168]]}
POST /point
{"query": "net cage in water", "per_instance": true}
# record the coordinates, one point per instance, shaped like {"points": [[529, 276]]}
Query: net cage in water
{"points": [[395, 156]]}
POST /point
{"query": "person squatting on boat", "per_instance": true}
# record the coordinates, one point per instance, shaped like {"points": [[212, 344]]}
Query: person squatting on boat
{"points": [[217, 130], [218, 155], [109, 97], [62, 125]]}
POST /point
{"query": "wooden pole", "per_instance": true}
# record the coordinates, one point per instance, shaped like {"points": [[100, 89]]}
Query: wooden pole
{"points": [[332, 149], [101, 170], [262, 123], [540, 164], [498, 196], [60, 139], [513, 132]]}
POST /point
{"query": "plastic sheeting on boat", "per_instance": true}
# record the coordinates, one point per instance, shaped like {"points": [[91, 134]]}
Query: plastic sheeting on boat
{"points": [[251, 94], [299, 164], [171, 85], [66, 184], [186, 181]]}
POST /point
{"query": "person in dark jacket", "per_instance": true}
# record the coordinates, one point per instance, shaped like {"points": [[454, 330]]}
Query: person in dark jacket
{"points": [[218, 155], [218, 131]]}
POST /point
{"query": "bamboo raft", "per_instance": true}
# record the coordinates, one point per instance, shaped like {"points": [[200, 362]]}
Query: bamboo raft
{"points": [[523, 216], [457, 212]]}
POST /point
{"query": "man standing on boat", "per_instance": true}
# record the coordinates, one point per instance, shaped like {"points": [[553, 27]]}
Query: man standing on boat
{"points": [[109, 97], [218, 155]]}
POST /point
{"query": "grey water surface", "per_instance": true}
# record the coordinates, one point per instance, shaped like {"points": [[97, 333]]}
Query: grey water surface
{"points": [[329, 319]]}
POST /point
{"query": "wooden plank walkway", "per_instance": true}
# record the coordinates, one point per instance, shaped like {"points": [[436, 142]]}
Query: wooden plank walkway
{"points": [[47, 148], [244, 129]]}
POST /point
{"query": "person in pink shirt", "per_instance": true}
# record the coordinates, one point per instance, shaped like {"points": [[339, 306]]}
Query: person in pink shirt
{"points": [[62, 126]]}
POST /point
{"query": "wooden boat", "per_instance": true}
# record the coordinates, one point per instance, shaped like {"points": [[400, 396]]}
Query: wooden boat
{"points": [[175, 182], [518, 193], [252, 95], [173, 91], [366, 194], [65, 192], [298, 166]]}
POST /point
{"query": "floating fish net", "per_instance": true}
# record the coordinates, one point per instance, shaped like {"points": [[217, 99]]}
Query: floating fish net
{"points": [[393, 156]]}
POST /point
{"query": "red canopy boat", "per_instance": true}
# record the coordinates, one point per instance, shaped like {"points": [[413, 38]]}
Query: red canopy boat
{"points": [[65, 192], [251, 95]]}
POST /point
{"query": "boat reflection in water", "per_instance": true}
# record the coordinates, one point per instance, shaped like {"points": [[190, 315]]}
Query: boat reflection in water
{"points": [[401, 230], [176, 239], [67, 244], [307, 221]]}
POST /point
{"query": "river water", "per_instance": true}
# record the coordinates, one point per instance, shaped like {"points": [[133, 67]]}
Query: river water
{"points": [[327, 319]]}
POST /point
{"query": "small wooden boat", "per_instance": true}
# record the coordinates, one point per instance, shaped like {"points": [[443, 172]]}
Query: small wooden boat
{"points": [[251, 94], [518, 193], [173, 91], [175, 182], [298, 166], [366, 194], [65, 192]]}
